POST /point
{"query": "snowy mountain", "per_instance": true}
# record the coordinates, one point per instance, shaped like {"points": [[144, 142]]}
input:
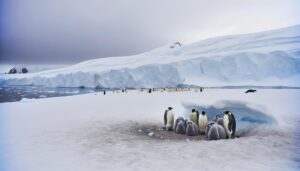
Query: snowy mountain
{"points": [[270, 58]]}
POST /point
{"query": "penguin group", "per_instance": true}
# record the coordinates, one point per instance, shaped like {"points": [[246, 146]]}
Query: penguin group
{"points": [[219, 128]]}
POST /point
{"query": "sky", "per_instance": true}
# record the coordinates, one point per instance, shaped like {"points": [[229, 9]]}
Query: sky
{"points": [[71, 31]]}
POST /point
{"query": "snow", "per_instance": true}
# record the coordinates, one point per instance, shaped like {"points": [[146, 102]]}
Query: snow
{"points": [[104, 132], [264, 58]]}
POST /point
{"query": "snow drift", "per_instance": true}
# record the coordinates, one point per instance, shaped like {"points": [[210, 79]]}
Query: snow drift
{"points": [[270, 58], [101, 132]]}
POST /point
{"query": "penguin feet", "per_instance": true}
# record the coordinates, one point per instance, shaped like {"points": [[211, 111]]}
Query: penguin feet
{"points": [[169, 129]]}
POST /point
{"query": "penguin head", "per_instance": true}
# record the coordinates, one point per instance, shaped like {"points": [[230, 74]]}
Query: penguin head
{"points": [[170, 108], [227, 113], [190, 123], [203, 112], [180, 118], [210, 123], [193, 110]]}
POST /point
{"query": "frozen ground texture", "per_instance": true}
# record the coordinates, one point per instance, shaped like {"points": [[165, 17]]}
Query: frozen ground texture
{"points": [[270, 58], [97, 132]]}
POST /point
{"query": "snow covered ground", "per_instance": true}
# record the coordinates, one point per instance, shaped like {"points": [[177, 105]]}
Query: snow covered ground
{"points": [[101, 132]]}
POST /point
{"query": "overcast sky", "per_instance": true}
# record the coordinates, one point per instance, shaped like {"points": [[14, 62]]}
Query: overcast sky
{"points": [[70, 31]]}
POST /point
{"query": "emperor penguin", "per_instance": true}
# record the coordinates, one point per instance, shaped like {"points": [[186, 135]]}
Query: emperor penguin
{"points": [[191, 129], [216, 132], [180, 118], [220, 122], [202, 122], [180, 127], [169, 119], [221, 131], [229, 124], [193, 116], [210, 124], [213, 133], [216, 118]]}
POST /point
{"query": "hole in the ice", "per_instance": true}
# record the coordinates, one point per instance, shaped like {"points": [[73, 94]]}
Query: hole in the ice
{"points": [[248, 120]]}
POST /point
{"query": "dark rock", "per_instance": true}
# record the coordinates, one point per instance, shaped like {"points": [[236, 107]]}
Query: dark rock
{"points": [[13, 71], [24, 70]]}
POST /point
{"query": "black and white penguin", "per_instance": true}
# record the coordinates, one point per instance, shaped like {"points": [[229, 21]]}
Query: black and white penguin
{"points": [[193, 116], [229, 124], [202, 122], [180, 127], [169, 119], [191, 129]]}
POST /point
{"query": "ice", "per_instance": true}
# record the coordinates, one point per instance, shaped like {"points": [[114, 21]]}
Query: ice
{"points": [[26, 100], [268, 58]]}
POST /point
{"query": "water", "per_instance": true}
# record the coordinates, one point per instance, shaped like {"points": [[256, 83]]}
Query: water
{"points": [[16, 93]]}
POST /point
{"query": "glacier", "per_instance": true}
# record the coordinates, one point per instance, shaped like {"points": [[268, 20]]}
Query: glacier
{"points": [[269, 58]]}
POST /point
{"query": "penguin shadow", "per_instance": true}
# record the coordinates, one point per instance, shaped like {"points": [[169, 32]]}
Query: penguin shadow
{"points": [[248, 119]]}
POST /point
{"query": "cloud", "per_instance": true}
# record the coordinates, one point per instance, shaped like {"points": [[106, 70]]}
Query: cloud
{"points": [[69, 31]]}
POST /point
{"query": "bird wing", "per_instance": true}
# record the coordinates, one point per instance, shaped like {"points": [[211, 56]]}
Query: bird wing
{"points": [[165, 117]]}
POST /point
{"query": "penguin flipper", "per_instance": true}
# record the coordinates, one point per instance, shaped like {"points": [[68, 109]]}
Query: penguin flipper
{"points": [[197, 118], [233, 125], [165, 117]]}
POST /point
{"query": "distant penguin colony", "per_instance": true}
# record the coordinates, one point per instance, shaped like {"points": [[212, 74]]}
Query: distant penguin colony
{"points": [[219, 128], [169, 119]]}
